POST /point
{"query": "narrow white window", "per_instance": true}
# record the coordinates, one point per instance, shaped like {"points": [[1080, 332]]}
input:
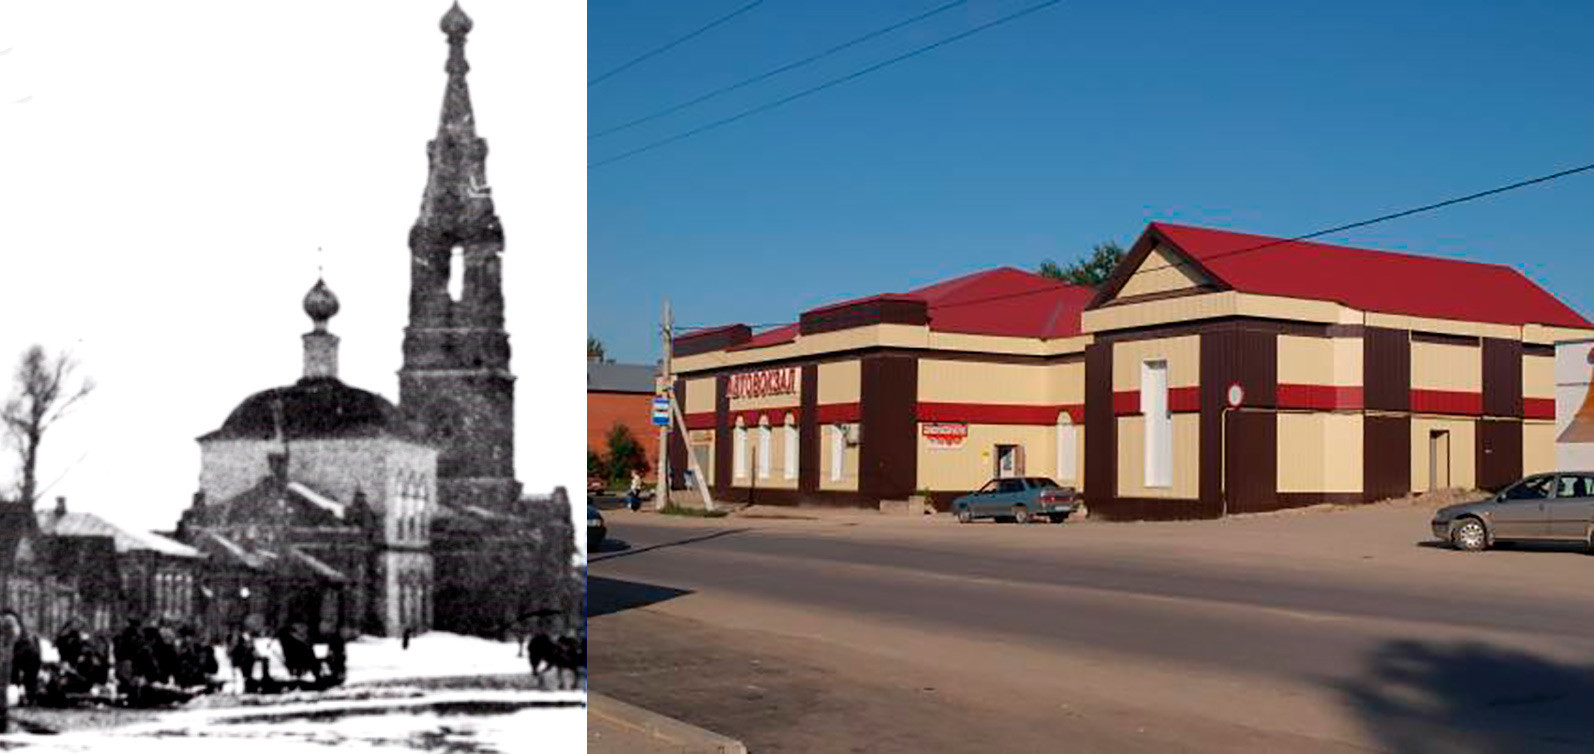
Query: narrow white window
{"points": [[1067, 449], [789, 442], [1159, 424], [765, 441], [838, 451], [456, 273], [739, 451]]}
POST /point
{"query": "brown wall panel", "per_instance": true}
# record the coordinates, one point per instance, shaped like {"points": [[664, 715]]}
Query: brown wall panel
{"points": [[1386, 456], [1386, 369], [888, 459], [808, 431], [723, 438], [1251, 468], [1502, 378], [1499, 448], [1101, 430], [677, 447]]}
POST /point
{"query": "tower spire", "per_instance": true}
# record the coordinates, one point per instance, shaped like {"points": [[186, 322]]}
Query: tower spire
{"points": [[458, 200]]}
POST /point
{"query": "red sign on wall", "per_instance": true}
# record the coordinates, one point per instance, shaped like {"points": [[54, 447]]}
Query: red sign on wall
{"points": [[945, 434], [762, 384]]}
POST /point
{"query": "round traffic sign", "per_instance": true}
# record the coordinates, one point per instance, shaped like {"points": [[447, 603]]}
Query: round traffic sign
{"points": [[1236, 395]]}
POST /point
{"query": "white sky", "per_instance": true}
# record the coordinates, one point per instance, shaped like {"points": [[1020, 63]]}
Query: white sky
{"points": [[167, 170]]}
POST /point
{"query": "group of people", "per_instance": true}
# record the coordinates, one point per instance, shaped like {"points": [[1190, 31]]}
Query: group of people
{"points": [[301, 667], [564, 657], [162, 663]]}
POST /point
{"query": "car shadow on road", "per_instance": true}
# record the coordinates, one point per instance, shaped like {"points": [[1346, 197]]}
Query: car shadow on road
{"points": [[606, 596], [626, 550], [1561, 548], [1422, 696]]}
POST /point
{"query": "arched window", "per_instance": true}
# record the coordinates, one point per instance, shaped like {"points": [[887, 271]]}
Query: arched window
{"points": [[789, 444], [765, 438], [1067, 448], [739, 450]]}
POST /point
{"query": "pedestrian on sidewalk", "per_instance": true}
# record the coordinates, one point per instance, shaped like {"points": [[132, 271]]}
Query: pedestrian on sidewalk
{"points": [[633, 498]]}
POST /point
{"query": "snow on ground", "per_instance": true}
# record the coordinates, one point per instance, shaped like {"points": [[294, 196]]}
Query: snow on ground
{"points": [[357, 727], [435, 654]]}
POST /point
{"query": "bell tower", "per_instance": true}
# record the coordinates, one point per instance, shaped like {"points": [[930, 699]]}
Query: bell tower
{"points": [[455, 385]]}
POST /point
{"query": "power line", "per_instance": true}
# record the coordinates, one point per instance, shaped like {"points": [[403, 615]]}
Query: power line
{"points": [[658, 50], [1392, 215], [777, 71], [821, 87], [1314, 234]]}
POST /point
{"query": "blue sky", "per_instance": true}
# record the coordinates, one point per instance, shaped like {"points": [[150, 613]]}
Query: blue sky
{"points": [[1071, 126]]}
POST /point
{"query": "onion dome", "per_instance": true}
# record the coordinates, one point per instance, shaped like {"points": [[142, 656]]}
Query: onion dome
{"points": [[319, 303], [455, 21]]}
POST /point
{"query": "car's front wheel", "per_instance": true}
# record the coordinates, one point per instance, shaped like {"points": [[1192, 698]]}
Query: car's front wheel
{"points": [[1469, 535], [965, 516], [1020, 514]]}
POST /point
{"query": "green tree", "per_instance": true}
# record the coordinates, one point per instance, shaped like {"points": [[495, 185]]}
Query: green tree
{"points": [[596, 468], [595, 351], [1092, 270], [625, 455]]}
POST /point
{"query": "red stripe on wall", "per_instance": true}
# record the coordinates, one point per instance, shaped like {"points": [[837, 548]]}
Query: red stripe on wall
{"points": [[1183, 399], [1319, 397], [701, 420], [994, 413], [1446, 402], [838, 413], [1538, 408], [1180, 400], [1125, 402]]}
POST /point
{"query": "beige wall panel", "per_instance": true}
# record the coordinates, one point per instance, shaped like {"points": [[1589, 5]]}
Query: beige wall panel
{"points": [[701, 442], [1305, 361], [1280, 307], [1463, 453], [1066, 383], [1159, 312], [973, 464], [1440, 366], [1538, 376], [1186, 458], [1319, 361], [1543, 335], [1183, 355], [942, 381], [1162, 271], [699, 397], [1538, 447], [849, 454], [839, 382], [1347, 361], [1446, 326], [1319, 452]]}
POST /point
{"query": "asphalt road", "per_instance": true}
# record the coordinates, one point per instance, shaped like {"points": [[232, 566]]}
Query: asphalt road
{"points": [[1111, 647]]}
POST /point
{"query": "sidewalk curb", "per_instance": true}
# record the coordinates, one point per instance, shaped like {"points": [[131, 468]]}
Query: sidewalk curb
{"points": [[689, 737]]}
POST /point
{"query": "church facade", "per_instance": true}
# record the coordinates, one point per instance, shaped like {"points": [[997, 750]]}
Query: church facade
{"points": [[324, 504]]}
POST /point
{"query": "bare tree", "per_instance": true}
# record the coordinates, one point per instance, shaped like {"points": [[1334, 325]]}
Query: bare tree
{"points": [[42, 395]]}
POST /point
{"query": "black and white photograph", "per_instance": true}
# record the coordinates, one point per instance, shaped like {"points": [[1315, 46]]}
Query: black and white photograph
{"points": [[286, 359]]}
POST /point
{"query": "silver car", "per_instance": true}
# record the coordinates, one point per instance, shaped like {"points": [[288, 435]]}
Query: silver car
{"points": [[1542, 507]]}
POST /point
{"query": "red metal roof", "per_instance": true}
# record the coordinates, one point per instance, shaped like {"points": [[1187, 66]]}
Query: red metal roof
{"points": [[1377, 281], [775, 337], [1006, 301]]}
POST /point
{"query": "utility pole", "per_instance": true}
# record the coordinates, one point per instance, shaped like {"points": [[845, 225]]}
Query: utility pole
{"points": [[10, 628], [661, 498]]}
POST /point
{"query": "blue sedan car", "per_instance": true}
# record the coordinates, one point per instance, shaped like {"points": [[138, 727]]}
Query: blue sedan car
{"points": [[1021, 499]]}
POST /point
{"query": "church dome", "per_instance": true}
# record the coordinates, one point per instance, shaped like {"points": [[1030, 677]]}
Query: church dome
{"points": [[455, 21], [319, 303], [315, 408]]}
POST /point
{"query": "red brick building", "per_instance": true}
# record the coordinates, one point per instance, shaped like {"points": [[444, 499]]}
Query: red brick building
{"points": [[621, 394]]}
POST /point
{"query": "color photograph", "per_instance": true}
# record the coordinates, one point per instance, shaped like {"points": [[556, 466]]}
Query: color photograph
{"points": [[1029, 375]]}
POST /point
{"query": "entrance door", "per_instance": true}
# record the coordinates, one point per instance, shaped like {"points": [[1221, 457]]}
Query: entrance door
{"points": [[1009, 461], [1439, 459]]}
